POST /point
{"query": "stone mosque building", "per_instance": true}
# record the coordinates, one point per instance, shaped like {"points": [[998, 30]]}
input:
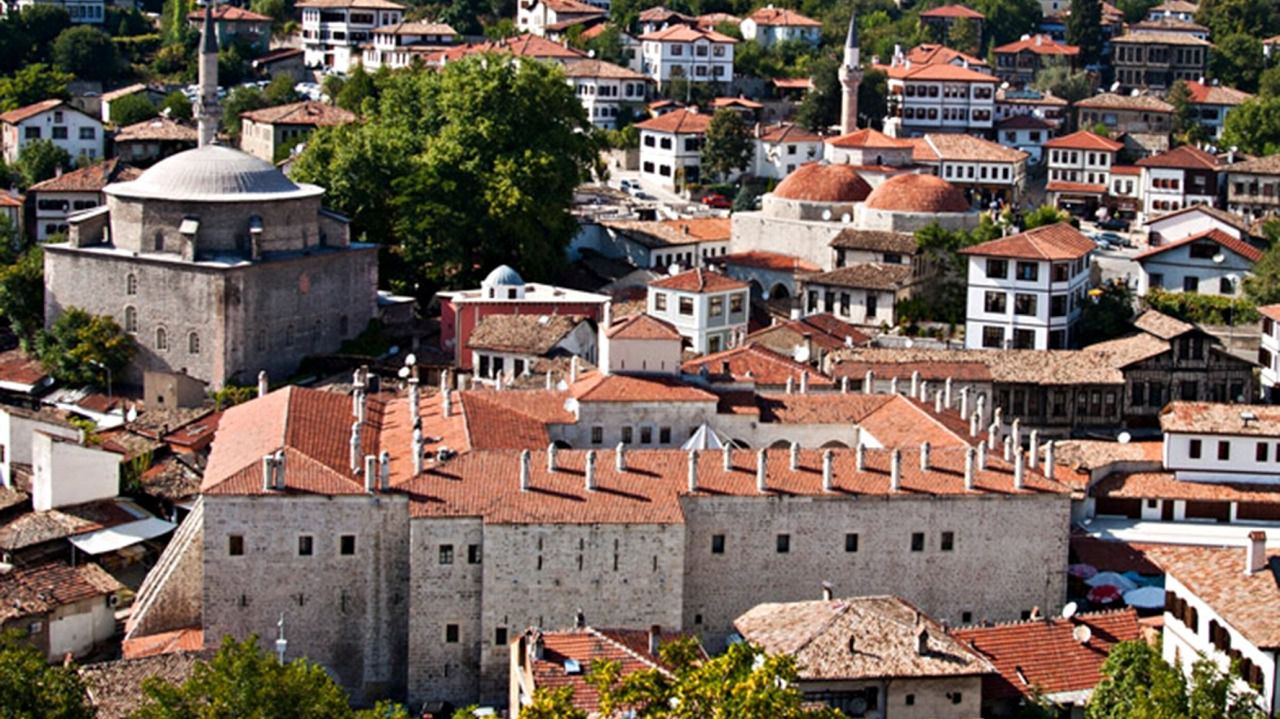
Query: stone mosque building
{"points": [[217, 264]]}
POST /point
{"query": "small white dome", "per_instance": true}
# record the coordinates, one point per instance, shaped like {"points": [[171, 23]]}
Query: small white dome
{"points": [[213, 173], [502, 275]]}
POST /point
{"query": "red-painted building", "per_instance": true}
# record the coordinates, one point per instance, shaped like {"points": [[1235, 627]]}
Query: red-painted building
{"points": [[503, 292]]}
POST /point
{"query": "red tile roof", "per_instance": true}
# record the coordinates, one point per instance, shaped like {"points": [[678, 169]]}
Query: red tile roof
{"points": [[684, 33], [917, 193], [935, 54], [1183, 157], [686, 121], [187, 639], [939, 73], [868, 138], [699, 281], [599, 387], [38, 590], [1084, 140], [752, 363], [627, 647], [1245, 602], [495, 420], [766, 260], [787, 132], [1164, 485], [1272, 311], [642, 327], [825, 331], [1075, 187], [1040, 45], [229, 13], [783, 17], [17, 368], [1052, 242], [91, 178], [1041, 657], [954, 11], [22, 113], [1203, 94], [1240, 247], [821, 182]]}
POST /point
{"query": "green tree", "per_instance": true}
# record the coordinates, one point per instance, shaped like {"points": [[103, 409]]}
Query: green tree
{"points": [[1138, 684], [35, 689], [459, 170], [1043, 215], [32, 84], [1084, 28], [502, 29], [132, 108], [40, 24], [280, 12], [1107, 313], [1186, 124], [1269, 82], [1235, 61], [607, 46], [77, 339], [233, 64], [1257, 18], [1136, 10], [280, 91], [178, 106], [358, 86], [22, 295], [39, 160], [1008, 20], [1062, 82], [1262, 285], [1254, 127], [173, 21], [545, 703], [86, 52], [728, 145], [963, 36], [820, 107], [245, 98]]}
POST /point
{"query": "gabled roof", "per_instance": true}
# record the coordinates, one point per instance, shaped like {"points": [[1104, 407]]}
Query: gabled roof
{"points": [[1245, 602], [858, 639], [684, 33], [157, 129], [685, 121], [902, 243], [752, 363], [1042, 657], [23, 113], [417, 28], [522, 334], [930, 53], [962, 147], [1040, 45], [91, 178], [1270, 311], [954, 11], [563, 7], [311, 113], [642, 326], [1222, 216], [1147, 37], [229, 13], [1084, 140], [1183, 157], [782, 17], [1227, 242], [766, 260], [600, 387], [868, 276], [1112, 101], [699, 281], [824, 331], [939, 73], [669, 233], [1161, 325], [1269, 165], [869, 138], [787, 132], [629, 648], [602, 69], [1052, 242], [39, 590]]}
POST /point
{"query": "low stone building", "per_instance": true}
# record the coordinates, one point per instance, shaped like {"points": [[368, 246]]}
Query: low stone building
{"points": [[150, 141], [272, 132], [59, 609]]}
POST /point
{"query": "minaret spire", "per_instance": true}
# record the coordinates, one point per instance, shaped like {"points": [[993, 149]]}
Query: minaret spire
{"points": [[850, 78], [207, 109]]}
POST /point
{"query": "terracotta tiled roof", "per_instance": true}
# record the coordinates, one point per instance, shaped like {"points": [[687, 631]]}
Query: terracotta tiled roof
{"points": [[820, 182], [91, 178], [1269, 165], [939, 72], [787, 132], [172, 478], [935, 54], [684, 33], [967, 148], [526, 45], [157, 129], [1246, 602], [922, 152], [34, 528], [1040, 45], [736, 102], [486, 483], [1051, 242], [1041, 657], [34, 591], [883, 633], [954, 11], [712, 19], [917, 193], [1164, 485], [1029, 98], [22, 113], [783, 17], [1220, 418], [195, 435], [417, 28], [17, 368], [752, 363], [825, 331], [1125, 170], [598, 387], [1239, 247], [1084, 140], [684, 121], [1182, 157], [668, 233], [1161, 325], [1222, 216], [1088, 454], [763, 259], [524, 334], [876, 241], [123, 91], [1112, 101], [1176, 6], [230, 13], [664, 14], [699, 281], [308, 112], [498, 420], [115, 687], [601, 69], [627, 647], [1147, 37], [868, 138], [1075, 187], [7, 200], [869, 276], [572, 6], [792, 83], [1216, 94], [642, 327], [187, 639], [1271, 311]]}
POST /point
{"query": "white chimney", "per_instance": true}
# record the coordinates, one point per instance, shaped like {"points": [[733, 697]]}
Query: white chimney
{"points": [[263, 385], [924, 456], [924, 391], [844, 385], [893, 385], [591, 471], [828, 472], [980, 406], [937, 401], [1019, 470], [573, 370], [417, 451], [279, 469], [693, 470], [498, 381], [791, 385], [915, 382], [620, 458], [414, 399], [268, 472], [795, 456], [826, 591], [526, 459], [1008, 449], [804, 382], [551, 458], [982, 456], [869, 383], [355, 446], [964, 403], [946, 393], [1256, 552], [370, 473], [384, 470], [973, 425], [1034, 455], [762, 472], [968, 468], [993, 435], [1015, 432], [895, 470], [727, 452], [998, 416], [860, 457], [549, 383], [1049, 465], [446, 403]]}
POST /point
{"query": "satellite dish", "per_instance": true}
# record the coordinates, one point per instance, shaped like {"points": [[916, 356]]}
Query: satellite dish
{"points": [[826, 214], [410, 360], [845, 218], [1082, 634], [1124, 438], [1069, 610], [403, 373], [673, 269], [1219, 258]]}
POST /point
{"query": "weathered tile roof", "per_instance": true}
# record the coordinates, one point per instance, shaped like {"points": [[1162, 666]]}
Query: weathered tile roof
{"points": [[526, 334], [859, 638], [699, 281], [19, 368], [1269, 165], [824, 330], [954, 11], [766, 260], [230, 13], [1040, 45], [787, 132], [91, 178], [308, 112], [1054, 242], [1112, 101], [1219, 418], [35, 108], [1041, 657], [1239, 247], [1147, 37], [1204, 94], [1222, 216], [876, 241], [753, 363], [642, 326], [115, 688], [601, 69], [967, 148], [1164, 485], [598, 387], [157, 129], [35, 528], [1246, 602], [1183, 157], [1161, 325], [32, 591], [668, 233], [870, 276]]}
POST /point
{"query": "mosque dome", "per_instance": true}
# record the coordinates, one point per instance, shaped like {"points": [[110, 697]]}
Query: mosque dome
{"points": [[820, 182], [213, 173], [503, 275], [919, 194]]}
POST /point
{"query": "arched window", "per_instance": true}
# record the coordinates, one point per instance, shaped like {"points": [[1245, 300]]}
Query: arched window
{"points": [[162, 339], [193, 343], [130, 319], [131, 284]]}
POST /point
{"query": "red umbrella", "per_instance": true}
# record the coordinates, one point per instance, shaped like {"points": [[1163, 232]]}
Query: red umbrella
{"points": [[1104, 594]]}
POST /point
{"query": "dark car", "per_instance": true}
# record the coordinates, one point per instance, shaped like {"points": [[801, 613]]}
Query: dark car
{"points": [[718, 201], [1114, 223]]}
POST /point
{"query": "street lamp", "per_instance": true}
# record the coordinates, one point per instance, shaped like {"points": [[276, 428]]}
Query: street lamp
{"points": [[106, 369]]}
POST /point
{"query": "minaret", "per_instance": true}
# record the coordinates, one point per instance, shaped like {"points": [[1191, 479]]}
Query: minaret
{"points": [[207, 110], [850, 79]]}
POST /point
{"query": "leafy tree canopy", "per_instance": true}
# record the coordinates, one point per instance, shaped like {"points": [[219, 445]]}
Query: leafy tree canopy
{"points": [[1235, 61], [32, 84], [35, 689], [77, 339], [132, 108], [728, 147], [178, 106], [1084, 27], [22, 294], [1254, 127], [1258, 18], [86, 52], [39, 160], [1138, 684], [1061, 81], [1044, 215]]}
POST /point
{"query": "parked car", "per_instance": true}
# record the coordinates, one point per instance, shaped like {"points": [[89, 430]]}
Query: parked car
{"points": [[1114, 223], [646, 197], [718, 201], [1107, 240], [625, 185]]}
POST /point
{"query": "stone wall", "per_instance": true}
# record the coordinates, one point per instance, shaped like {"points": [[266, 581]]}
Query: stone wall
{"points": [[287, 225], [808, 240]]}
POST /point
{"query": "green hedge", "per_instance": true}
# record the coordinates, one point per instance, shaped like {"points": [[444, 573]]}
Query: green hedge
{"points": [[1203, 309]]}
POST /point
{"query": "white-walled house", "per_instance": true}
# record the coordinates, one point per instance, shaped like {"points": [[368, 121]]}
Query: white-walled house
{"points": [[640, 344], [861, 294], [334, 31], [1026, 133], [60, 609], [939, 98], [66, 472], [57, 198], [1027, 291], [1212, 103], [781, 148], [605, 88], [691, 53], [72, 130], [769, 26], [395, 46], [1269, 352], [17, 426], [551, 17], [1193, 220], [985, 169], [1179, 178], [1080, 169], [708, 309], [1208, 263], [671, 147], [509, 345]]}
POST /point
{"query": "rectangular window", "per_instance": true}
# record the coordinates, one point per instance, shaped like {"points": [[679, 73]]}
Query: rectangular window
{"points": [[998, 269], [1193, 449], [783, 543], [993, 337], [347, 545], [716, 306], [500, 636], [235, 545], [686, 306], [1028, 271], [646, 435], [664, 435], [446, 554], [995, 302], [917, 541], [88, 133], [626, 435], [736, 302], [948, 541], [1224, 449], [1024, 304], [473, 554], [306, 545], [1261, 452], [451, 634], [59, 133], [597, 435], [717, 544], [851, 542]]}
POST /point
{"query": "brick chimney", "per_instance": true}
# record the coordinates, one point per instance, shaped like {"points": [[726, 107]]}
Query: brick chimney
{"points": [[1256, 552]]}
